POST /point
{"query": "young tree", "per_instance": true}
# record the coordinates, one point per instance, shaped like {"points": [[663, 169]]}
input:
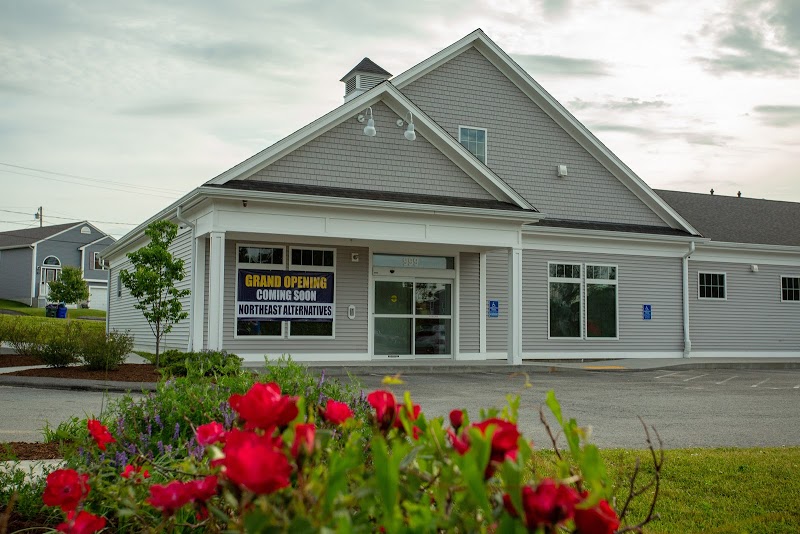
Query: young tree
{"points": [[69, 288], [152, 282]]}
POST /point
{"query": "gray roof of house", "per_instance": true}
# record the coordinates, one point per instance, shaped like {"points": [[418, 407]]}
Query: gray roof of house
{"points": [[368, 66], [610, 227], [29, 236], [364, 194], [738, 220]]}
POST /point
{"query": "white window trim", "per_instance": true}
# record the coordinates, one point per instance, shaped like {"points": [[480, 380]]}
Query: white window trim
{"points": [[780, 287], [119, 284], [287, 330], [579, 281], [600, 281], [260, 266], [50, 266], [485, 140], [713, 299], [256, 267], [102, 262]]}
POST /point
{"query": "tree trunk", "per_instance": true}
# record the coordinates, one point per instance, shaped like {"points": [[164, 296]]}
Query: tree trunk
{"points": [[158, 343]]}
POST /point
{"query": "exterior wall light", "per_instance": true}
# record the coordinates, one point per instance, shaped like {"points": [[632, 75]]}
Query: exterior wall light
{"points": [[409, 133], [369, 129]]}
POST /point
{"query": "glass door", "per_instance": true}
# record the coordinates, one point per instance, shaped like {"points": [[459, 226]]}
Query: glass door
{"points": [[413, 318], [49, 274]]}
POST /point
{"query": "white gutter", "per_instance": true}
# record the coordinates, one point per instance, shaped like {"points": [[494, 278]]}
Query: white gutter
{"points": [[179, 216], [687, 342]]}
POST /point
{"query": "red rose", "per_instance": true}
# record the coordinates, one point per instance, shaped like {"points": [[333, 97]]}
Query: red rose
{"points": [[385, 408], [210, 433], [202, 489], [132, 471], [82, 523], [65, 488], [410, 416], [504, 439], [602, 519], [264, 407], [337, 412], [170, 497], [460, 444], [255, 462], [100, 433], [303, 440], [457, 418], [549, 504]]}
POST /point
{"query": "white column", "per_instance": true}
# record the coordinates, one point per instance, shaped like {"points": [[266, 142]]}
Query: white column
{"points": [[216, 289], [199, 290], [515, 306]]}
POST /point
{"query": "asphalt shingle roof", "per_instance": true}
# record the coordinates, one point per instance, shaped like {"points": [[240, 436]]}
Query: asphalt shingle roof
{"points": [[364, 194], [368, 66], [738, 220], [610, 227], [28, 236]]}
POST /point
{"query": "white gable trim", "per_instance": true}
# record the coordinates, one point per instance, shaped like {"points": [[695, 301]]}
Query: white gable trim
{"points": [[399, 104], [556, 111], [95, 242]]}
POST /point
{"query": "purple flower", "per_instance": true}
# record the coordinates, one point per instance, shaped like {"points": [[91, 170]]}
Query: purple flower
{"points": [[121, 459], [176, 434], [158, 422], [160, 446]]}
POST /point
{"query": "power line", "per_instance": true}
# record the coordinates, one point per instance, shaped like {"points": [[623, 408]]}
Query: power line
{"points": [[75, 219], [150, 194], [164, 189]]}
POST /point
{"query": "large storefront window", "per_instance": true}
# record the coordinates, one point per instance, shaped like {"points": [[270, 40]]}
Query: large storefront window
{"points": [[565, 300], [273, 300], [601, 301], [583, 307]]}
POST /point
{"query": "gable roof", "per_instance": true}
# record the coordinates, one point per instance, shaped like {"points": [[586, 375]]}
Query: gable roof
{"points": [[503, 62], [368, 66], [739, 220], [29, 236], [401, 105]]}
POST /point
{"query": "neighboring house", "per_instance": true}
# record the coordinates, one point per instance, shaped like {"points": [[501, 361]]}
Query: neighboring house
{"points": [[458, 211], [32, 257]]}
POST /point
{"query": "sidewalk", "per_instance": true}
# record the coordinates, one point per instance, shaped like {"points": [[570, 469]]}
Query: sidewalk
{"points": [[411, 367]]}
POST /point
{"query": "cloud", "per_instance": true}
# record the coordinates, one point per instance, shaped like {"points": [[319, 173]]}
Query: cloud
{"points": [[626, 104], [234, 55], [779, 116], [177, 108], [562, 65], [690, 137], [555, 8], [744, 39]]}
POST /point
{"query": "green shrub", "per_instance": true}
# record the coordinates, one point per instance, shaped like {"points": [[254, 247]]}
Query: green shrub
{"points": [[203, 363], [61, 349], [105, 352], [22, 333]]}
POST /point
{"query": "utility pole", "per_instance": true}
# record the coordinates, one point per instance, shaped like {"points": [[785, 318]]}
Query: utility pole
{"points": [[38, 215]]}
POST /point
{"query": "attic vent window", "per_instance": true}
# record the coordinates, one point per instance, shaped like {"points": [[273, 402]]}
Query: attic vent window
{"points": [[86, 230], [474, 140]]}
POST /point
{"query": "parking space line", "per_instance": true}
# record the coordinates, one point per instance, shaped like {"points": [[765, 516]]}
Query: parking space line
{"points": [[726, 380], [797, 387], [692, 378], [668, 374], [756, 385]]}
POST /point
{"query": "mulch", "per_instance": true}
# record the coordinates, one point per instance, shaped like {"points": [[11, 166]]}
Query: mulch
{"points": [[127, 372], [18, 360], [21, 450]]}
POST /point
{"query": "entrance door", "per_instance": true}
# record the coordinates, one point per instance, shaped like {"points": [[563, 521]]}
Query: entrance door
{"points": [[413, 318], [49, 274]]}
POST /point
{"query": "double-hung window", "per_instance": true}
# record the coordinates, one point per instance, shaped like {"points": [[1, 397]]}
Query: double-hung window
{"points": [[583, 301], [99, 263], [790, 288], [474, 140], [316, 260], [711, 286], [259, 257]]}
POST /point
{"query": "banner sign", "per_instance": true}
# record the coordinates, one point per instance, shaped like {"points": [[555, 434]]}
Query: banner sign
{"points": [[284, 295]]}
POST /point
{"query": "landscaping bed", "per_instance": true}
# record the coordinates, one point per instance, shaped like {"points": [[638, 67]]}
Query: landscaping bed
{"points": [[127, 372], [23, 450], [19, 360]]}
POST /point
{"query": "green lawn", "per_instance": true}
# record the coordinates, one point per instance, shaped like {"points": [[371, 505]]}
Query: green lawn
{"points": [[715, 491], [39, 312]]}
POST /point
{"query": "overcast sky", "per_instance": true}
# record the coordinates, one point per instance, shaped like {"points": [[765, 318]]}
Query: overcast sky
{"points": [[128, 105]]}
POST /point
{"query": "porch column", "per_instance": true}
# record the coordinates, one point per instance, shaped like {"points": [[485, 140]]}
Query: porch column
{"points": [[216, 289], [199, 291], [515, 306]]}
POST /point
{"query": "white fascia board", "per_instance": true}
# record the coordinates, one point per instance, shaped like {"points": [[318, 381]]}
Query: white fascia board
{"points": [[747, 253], [752, 247], [95, 242], [610, 234], [598, 242], [556, 111], [400, 104], [185, 202], [364, 204]]}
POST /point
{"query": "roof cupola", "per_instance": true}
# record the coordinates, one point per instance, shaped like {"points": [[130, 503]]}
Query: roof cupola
{"points": [[362, 78]]}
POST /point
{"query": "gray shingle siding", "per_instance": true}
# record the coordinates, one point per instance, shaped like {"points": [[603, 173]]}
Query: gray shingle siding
{"points": [[351, 287], [524, 144], [469, 306], [345, 157], [752, 318], [641, 280], [15, 274]]}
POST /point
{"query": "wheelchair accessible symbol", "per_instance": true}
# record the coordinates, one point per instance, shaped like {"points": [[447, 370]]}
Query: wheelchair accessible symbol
{"points": [[494, 308]]}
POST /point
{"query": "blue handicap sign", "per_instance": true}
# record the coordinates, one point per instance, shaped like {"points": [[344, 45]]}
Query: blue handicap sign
{"points": [[494, 308], [647, 312]]}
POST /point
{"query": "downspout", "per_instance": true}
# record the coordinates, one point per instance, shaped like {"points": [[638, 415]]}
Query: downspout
{"points": [[179, 216], [687, 342]]}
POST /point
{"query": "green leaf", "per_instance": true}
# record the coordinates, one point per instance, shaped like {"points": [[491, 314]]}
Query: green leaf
{"points": [[554, 406], [388, 478]]}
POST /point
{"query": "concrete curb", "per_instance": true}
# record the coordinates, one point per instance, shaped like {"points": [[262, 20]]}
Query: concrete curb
{"points": [[76, 384]]}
